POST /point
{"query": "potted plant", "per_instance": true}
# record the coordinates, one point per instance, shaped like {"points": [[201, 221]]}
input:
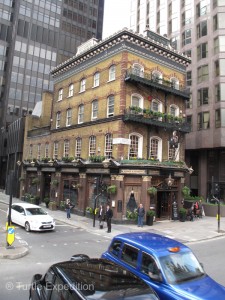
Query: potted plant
{"points": [[152, 190], [150, 217], [111, 189], [46, 201], [35, 180], [37, 200], [54, 182], [182, 214]]}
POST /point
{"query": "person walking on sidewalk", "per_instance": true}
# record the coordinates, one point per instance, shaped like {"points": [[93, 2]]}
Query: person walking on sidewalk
{"points": [[101, 216], [109, 215], [68, 208], [141, 213]]}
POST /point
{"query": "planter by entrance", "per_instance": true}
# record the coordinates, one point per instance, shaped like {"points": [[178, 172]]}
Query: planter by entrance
{"points": [[149, 220]]}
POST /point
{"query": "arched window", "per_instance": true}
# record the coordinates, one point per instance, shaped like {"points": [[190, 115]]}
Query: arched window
{"points": [[174, 83], [55, 150], [155, 148], [136, 145], [138, 70], [137, 100], [96, 79], [81, 113], [46, 150], [156, 105], [94, 113], [78, 147], [69, 117], [174, 110], [92, 145], [108, 145], [70, 94], [112, 73], [157, 76], [58, 119]]}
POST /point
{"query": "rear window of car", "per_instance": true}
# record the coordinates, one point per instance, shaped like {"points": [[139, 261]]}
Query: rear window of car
{"points": [[115, 248], [130, 255]]}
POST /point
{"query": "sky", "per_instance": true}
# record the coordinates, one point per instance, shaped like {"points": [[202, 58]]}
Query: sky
{"points": [[116, 16]]}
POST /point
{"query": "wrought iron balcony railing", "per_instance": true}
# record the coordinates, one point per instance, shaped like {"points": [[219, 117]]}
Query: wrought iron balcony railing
{"points": [[148, 117], [134, 75]]}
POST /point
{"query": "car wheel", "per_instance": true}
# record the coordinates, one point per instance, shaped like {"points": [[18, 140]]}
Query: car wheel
{"points": [[27, 226]]}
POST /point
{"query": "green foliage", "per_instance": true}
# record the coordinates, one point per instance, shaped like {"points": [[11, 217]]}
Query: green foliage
{"points": [[186, 191], [150, 213], [46, 200], [97, 158], [131, 215], [54, 182], [67, 158], [62, 204], [111, 189], [152, 190], [35, 180], [182, 211]]}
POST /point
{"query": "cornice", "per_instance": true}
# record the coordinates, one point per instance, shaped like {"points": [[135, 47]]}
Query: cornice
{"points": [[120, 37]]}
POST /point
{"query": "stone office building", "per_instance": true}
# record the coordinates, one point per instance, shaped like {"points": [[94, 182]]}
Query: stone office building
{"points": [[116, 119]]}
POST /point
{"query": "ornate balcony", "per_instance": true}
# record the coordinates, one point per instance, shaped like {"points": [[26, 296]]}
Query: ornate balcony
{"points": [[149, 117], [133, 76]]}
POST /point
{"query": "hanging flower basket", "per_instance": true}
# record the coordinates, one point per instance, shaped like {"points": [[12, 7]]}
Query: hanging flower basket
{"points": [[152, 190], [35, 180], [111, 189], [186, 191], [55, 182]]}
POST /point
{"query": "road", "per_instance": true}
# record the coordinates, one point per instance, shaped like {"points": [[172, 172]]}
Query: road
{"points": [[47, 248]]}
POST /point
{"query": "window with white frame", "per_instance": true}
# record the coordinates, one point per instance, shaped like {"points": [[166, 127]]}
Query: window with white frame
{"points": [[82, 85], [136, 145], [174, 110], [138, 70], [112, 73], [60, 95], [55, 150], [173, 153], [71, 87], [78, 147], [96, 79], [174, 83], [137, 100], [157, 76], [155, 148], [31, 151], [94, 113], [108, 145], [39, 151], [46, 150], [156, 105], [69, 117], [66, 148], [92, 145], [58, 118], [81, 114], [110, 106]]}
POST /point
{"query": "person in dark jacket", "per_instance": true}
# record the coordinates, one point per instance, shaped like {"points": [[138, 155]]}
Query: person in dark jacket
{"points": [[109, 215], [68, 208], [141, 213]]}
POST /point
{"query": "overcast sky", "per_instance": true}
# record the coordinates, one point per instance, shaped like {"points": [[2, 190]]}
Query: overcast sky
{"points": [[116, 16]]}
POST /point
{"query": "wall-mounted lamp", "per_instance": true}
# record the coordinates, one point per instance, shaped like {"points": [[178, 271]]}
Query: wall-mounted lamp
{"points": [[18, 163], [51, 162], [190, 170], [169, 181], [32, 163], [106, 163]]}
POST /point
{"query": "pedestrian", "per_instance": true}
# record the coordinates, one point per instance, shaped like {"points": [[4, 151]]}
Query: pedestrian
{"points": [[101, 216], [68, 208], [196, 208], [109, 215], [141, 213]]}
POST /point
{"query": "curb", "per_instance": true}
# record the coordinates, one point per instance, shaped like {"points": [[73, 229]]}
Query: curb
{"points": [[7, 254]]}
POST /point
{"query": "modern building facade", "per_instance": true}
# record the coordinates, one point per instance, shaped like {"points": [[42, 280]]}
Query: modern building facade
{"points": [[197, 29], [36, 36], [114, 120]]}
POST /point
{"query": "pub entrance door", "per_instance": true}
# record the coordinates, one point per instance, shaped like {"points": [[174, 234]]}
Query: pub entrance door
{"points": [[163, 210]]}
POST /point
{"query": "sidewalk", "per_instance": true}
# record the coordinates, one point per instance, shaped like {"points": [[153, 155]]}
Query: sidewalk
{"points": [[186, 232]]}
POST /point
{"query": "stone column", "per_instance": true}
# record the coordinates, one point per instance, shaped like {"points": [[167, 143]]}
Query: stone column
{"points": [[82, 192], [117, 180], [146, 183]]}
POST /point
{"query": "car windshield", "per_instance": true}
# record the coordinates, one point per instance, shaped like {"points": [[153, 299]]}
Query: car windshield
{"points": [[180, 267], [35, 211]]}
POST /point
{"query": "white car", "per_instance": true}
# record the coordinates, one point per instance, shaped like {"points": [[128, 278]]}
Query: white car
{"points": [[31, 217]]}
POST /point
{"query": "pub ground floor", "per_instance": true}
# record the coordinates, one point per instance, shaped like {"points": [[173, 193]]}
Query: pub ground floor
{"points": [[87, 186]]}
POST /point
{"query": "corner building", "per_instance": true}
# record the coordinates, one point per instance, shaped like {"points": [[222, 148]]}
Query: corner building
{"points": [[116, 118]]}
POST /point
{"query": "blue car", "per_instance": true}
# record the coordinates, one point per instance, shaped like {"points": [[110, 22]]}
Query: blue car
{"points": [[166, 265]]}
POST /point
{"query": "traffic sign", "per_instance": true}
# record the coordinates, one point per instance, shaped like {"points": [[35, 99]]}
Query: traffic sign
{"points": [[10, 235]]}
